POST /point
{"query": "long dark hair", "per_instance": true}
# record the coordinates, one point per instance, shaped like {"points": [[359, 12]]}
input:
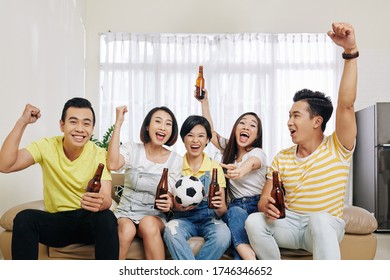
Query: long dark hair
{"points": [[231, 150]]}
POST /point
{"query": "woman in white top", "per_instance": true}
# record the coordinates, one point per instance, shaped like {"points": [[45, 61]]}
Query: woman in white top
{"points": [[245, 167], [143, 164]]}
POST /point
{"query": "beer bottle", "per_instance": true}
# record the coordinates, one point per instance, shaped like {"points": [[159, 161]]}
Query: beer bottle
{"points": [[200, 84], [213, 188], [162, 187], [94, 184], [278, 194]]}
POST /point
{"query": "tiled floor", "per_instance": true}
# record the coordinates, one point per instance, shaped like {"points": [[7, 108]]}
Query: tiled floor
{"points": [[383, 247]]}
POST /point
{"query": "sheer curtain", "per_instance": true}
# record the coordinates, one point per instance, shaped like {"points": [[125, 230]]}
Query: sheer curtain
{"points": [[243, 72]]}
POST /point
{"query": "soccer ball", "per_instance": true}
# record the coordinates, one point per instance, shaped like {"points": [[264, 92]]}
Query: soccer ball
{"points": [[189, 191]]}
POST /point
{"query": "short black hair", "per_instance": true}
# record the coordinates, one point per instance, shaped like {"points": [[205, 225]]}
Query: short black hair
{"points": [[144, 133], [77, 102], [319, 104], [193, 121]]}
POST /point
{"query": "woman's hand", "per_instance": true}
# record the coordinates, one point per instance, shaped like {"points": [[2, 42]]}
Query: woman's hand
{"points": [[165, 202], [120, 115], [218, 201], [232, 171]]}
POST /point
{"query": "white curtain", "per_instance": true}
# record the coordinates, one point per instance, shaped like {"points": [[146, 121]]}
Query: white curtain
{"points": [[243, 72]]}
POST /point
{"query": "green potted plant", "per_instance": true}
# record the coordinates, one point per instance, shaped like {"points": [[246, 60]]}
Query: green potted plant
{"points": [[118, 189], [106, 138]]}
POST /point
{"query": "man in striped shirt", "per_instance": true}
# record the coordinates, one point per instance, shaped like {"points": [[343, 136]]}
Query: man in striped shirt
{"points": [[314, 171]]}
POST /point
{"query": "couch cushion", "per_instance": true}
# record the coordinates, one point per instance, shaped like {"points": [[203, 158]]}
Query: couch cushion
{"points": [[82, 251], [7, 220], [359, 220]]}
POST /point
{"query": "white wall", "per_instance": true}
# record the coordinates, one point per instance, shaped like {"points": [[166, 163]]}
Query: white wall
{"points": [[42, 62]]}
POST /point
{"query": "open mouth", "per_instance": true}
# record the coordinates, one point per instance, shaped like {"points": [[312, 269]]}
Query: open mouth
{"points": [[195, 148], [160, 136], [292, 132], [244, 136]]}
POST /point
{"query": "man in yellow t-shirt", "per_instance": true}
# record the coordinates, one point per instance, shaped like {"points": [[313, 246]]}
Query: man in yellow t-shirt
{"points": [[314, 171], [68, 162]]}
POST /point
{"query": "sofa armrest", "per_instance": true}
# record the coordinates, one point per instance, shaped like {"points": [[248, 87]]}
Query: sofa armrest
{"points": [[359, 221], [7, 220]]}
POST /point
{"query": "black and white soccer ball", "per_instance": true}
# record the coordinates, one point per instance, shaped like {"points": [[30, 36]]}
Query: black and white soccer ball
{"points": [[189, 191]]}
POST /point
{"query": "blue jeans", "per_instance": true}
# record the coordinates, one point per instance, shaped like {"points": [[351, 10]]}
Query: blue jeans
{"points": [[238, 211], [215, 232], [319, 233]]}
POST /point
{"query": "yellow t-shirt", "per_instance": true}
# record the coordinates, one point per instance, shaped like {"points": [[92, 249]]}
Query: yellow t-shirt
{"points": [[64, 181], [207, 165]]}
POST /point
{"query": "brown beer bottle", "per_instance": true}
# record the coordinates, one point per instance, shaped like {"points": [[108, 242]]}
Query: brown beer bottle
{"points": [[162, 187], [278, 194], [94, 184], [200, 84], [213, 188]]}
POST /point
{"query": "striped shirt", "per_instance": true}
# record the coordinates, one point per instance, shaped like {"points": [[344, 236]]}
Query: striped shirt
{"points": [[318, 182]]}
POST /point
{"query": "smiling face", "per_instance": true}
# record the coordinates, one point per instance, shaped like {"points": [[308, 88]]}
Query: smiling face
{"points": [[246, 131], [160, 127], [301, 125], [195, 141], [77, 127]]}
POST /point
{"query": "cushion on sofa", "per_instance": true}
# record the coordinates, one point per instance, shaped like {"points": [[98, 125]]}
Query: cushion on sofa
{"points": [[7, 220], [359, 221]]}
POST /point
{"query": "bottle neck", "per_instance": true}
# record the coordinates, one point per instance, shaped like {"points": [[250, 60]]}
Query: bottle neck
{"points": [[200, 72], [214, 178], [275, 179], [164, 178], [98, 173]]}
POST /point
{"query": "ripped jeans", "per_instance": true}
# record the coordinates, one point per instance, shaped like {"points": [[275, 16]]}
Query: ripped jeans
{"points": [[215, 232]]}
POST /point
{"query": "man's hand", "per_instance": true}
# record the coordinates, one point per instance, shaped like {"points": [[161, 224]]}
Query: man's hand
{"points": [[30, 114], [92, 201], [270, 211], [343, 35]]}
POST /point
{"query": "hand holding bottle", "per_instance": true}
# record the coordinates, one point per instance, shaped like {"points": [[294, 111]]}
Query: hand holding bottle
{"points": [[163, 199], [92, 201], [275, 207], [205, 96], [165, 202]]}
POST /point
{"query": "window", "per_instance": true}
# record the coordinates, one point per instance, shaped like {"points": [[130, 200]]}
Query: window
{"points": [[243, 72]]}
